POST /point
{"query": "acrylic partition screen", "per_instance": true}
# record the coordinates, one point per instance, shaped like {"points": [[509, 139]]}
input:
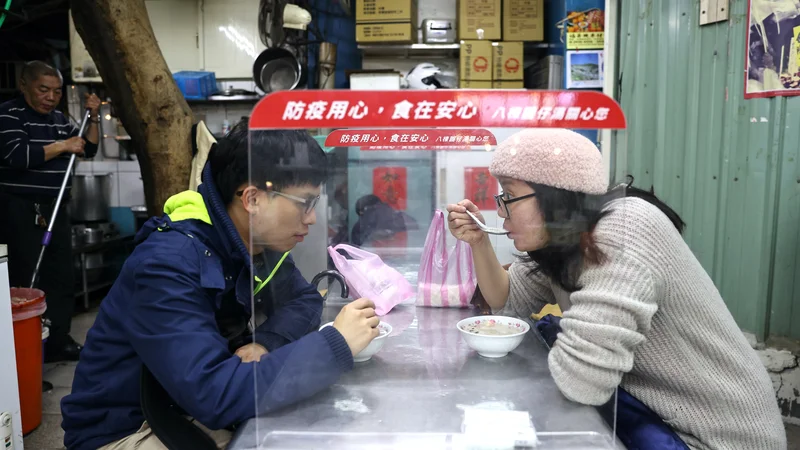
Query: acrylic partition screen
{"points": [[369, 326]]}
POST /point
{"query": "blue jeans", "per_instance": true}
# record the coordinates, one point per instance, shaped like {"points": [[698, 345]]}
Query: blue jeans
{"points": [[638, 427]]}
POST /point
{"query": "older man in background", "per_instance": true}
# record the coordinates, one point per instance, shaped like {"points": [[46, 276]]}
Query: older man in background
{"points": [[36, 141]]}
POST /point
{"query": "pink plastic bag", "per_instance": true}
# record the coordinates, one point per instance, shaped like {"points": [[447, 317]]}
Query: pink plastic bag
{"points": [[446, 279], [368, 276]]}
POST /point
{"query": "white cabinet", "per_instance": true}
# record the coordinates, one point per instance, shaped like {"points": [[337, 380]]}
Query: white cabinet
{"points": [[176, 27], [230, 37], [219, 36], [84, 70], [9, 395], [131, 188]]}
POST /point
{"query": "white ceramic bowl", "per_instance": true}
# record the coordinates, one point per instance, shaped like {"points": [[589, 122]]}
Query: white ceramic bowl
{"points": [[364, 355], [488, 345]]}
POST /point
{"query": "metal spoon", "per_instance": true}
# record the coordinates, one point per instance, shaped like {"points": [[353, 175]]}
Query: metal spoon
{"points": [[484, 228]]}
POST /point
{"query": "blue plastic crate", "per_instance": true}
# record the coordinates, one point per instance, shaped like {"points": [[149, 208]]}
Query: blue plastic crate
{"points": [[196, 85]]}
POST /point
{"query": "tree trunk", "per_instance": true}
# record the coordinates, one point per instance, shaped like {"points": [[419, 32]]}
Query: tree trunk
{"points": [[118, 36]]}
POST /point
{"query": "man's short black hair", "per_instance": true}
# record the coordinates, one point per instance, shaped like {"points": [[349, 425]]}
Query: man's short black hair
{"points": [[281, 157], [32, 70]]}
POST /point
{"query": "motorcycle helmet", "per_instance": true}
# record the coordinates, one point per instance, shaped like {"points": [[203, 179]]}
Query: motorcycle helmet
{"points": [[429, 76]]}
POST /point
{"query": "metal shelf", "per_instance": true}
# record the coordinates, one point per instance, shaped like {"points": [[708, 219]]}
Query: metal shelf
{"points": [[431, 50], [121, 241], [232, 99], [410, 50], [94, 288]]}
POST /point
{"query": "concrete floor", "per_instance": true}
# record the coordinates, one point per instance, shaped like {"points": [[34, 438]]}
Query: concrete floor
{"points": [[50, 436], [793, 436]]}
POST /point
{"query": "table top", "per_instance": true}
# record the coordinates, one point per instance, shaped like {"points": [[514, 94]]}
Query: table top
{"points": [[412, 393]]}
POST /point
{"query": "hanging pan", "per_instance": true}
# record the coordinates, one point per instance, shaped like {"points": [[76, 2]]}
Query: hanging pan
{"points": [[278, 69]]}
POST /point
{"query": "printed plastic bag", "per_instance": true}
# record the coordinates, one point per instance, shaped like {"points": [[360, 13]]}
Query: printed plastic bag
{"points": [[368, 276], [446, 279]]}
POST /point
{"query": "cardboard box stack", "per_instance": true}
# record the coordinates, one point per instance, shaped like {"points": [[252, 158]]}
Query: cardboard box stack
{"points": [[386, 21], [475, 64], [493, 32], [523, 20], [474, 15], [469, 84], [507, 70]]}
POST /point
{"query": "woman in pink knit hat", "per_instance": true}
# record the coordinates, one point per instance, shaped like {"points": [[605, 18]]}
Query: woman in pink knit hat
{"points": [[639, 311]]}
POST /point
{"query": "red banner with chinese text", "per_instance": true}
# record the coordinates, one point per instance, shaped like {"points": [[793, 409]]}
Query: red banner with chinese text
{"points": [[480, 187], [390, 185], [437, 108], [413, 139]]}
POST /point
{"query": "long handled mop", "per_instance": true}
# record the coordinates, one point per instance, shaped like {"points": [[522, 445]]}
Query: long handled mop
{"points": [[49, 233]]}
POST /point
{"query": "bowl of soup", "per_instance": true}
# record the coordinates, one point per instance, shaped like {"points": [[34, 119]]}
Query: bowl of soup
{"points": [[493, 336], [384, 330]]}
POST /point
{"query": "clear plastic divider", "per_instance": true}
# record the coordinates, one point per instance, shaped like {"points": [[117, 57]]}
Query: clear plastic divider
{"points": [[362, 212]]}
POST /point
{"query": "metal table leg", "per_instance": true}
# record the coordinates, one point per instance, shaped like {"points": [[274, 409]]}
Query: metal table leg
{"points": [[84, 282]]}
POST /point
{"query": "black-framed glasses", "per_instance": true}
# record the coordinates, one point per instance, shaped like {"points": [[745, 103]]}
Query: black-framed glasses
{"points": [[503, 200], [308, 204]]}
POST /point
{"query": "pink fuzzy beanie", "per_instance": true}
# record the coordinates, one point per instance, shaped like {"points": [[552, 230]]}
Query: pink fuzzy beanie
{"points": [[553, 157]]}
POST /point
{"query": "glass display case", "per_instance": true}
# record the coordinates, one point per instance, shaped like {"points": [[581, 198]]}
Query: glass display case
{"points": [[368, 217]]}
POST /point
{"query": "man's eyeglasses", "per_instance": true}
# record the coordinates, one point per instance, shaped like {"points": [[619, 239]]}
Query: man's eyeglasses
{"points": [[308, 204], [503, 200]]}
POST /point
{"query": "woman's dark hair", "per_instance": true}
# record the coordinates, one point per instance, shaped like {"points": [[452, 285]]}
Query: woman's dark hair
{"points": [[282, 157], [367, 201], [570, 218]]}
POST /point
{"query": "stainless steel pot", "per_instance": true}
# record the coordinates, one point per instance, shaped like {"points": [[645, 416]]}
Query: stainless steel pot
{"points": [[92, 236], [94, 261], [91, 198], [278, 69], [95, 265], [139, 215], [77, 236]]}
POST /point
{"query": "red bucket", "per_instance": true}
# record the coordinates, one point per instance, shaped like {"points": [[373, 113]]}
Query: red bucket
{"points": [[27, 307]]}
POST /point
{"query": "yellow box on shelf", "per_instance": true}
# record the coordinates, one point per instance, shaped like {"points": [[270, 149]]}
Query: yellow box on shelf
{"points": [[395, 33]]}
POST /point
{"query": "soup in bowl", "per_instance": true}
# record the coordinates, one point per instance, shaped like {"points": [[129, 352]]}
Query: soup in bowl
{"points": [[493, 336]]}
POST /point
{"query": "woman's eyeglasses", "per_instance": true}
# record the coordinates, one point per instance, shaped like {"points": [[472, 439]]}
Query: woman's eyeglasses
{"points": [[503, 200], [308, 204]]}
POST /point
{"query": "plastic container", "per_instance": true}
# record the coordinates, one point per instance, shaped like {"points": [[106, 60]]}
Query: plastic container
{"points": [[196, 85], [27, 307]]}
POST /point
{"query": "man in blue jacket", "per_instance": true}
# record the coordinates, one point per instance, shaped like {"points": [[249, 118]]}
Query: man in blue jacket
{"points": [[186, 300]]}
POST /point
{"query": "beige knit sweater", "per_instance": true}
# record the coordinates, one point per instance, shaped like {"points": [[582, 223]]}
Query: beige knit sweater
{"points": [[650, 320]]}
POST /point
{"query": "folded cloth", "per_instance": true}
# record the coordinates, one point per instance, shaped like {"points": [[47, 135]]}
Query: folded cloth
{"points": [[638, 427], [549, 327], [547, 309], [202, 142]]}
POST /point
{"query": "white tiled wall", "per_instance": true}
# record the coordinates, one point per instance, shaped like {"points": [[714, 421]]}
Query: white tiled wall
{"points": [[126, 183], [127, 188], [214, 114]]}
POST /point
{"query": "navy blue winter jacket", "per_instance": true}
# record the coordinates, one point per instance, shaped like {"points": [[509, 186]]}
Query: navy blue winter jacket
{"points": [[188, 274]]}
